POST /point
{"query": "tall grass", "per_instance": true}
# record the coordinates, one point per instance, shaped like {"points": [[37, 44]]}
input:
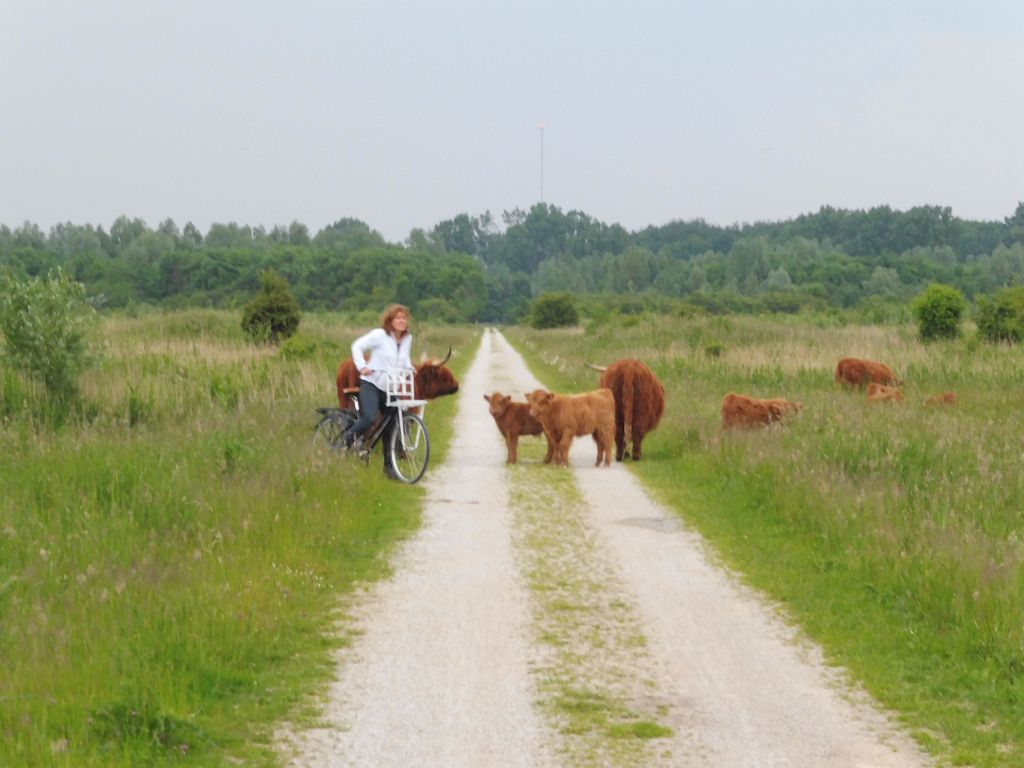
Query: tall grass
{"points": [[894, 534], [171, 560]]}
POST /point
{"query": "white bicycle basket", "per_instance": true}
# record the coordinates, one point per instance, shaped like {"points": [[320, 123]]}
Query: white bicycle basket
{"points": [[401, 390]]}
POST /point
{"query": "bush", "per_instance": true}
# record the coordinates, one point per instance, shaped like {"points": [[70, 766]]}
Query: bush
{"points": [[554, 310], [47, 326], [938, 312], [1002, 319], [274, 314]]}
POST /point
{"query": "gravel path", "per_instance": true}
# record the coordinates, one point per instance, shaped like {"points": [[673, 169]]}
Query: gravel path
{"points": [[458, 654]]}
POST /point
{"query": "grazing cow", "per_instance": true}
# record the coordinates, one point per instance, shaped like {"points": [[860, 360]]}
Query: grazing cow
{"points": [[854, 372], [513, 420], [946, 398], [639, 403], [746, 412], [567, 416], [433, 379], [880, 393]]}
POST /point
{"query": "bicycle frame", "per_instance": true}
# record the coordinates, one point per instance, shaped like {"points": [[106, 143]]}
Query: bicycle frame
{"points": [[407, 452]]}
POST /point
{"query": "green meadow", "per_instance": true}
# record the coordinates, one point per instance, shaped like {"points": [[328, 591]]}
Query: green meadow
{"points": [[893, 533], [171, 555]]}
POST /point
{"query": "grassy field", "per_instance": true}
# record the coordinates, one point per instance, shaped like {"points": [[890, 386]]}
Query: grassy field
{"points": [[893, 533], [170, 556]]}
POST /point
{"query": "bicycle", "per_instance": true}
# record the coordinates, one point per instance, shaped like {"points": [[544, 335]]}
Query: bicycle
{"points": [[409, 443]]}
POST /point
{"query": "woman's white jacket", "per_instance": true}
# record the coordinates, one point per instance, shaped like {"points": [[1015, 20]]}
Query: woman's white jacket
{"points": [[385, 352]]}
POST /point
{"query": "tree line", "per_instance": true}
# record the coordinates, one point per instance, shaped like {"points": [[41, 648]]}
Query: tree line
{"points": [[471, 268]]}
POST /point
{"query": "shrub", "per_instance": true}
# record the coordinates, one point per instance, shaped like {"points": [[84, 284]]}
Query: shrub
{"points": [[1002, 318], [274, 314], [938, 312], [554, 310], [47, 325]]}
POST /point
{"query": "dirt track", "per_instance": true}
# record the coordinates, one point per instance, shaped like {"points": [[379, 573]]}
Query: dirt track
{"points": [[454, 664]]}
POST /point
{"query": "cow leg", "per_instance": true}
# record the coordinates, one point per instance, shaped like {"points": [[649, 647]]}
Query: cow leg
{"points": [[563, 449], [620, 445], [638, 439], [512, 443]]}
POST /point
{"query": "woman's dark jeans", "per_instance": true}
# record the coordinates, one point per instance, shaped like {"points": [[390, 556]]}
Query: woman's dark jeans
{"points": [[371, 402]]}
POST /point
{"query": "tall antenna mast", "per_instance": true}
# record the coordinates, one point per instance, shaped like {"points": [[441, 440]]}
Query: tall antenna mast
{"points": [[541, 126]]}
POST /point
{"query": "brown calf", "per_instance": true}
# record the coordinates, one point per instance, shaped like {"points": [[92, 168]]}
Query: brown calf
{"points": [[513, 420], [567, 416], [745, 412], [880, 393], [946, 398]]}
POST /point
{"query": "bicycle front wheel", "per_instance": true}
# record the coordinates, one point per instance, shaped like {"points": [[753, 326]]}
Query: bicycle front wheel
{"points": [[409, 458]]}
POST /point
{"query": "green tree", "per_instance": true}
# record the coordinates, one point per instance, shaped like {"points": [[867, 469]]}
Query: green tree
{"points": [[298, 234], [47, 326], [938, 311], [884, 281], [554, 310], [274, 314], [124, 231]]}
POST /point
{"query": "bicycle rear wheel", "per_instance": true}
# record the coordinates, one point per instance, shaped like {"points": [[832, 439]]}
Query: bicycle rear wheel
{"points": [[409, 459], [330, 430]]}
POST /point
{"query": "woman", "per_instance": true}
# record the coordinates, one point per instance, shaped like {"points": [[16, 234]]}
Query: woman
{"points": [[388, 347]]}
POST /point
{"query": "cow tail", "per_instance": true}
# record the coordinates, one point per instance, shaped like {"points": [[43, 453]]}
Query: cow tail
{"points": [[629, 383]]}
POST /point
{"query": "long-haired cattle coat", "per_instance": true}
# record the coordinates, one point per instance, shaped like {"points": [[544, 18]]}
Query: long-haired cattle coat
{"points": [[433, 379], [856, 372], [745, 412], [567, 416], [639, 403]]}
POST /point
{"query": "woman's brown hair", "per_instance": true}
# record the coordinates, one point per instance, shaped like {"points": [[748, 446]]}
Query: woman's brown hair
{"points": [[389, 315]]}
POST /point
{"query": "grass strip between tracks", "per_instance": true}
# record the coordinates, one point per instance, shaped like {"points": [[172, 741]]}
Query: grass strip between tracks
{"points": [[593, 673]]}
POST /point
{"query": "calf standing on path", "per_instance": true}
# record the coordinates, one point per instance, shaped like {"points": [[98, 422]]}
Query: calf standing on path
{"points": [[513, 420], [567, 416]]}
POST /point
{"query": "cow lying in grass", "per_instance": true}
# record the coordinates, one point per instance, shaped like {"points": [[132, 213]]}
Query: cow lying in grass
{"points": [[946, 398], [880, 393], [856, 372], [567, 416], [743, 412], [514, 419]]}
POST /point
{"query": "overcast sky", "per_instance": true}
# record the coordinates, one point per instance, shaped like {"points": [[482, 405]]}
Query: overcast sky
{"points": [[404, 113]]}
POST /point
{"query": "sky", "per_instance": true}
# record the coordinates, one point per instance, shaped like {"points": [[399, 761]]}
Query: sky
{"points": [[404, 114]]}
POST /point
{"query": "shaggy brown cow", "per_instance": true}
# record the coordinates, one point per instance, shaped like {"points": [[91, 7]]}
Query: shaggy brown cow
{"points": [[880, 393], [567, 416], [639, 403], [946, 398], [746, 412], [854, 372], [513, 420], [433, 379]]}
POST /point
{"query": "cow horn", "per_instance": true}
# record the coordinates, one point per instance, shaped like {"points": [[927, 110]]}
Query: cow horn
{"points": [[448, 356], [601, 368]]}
